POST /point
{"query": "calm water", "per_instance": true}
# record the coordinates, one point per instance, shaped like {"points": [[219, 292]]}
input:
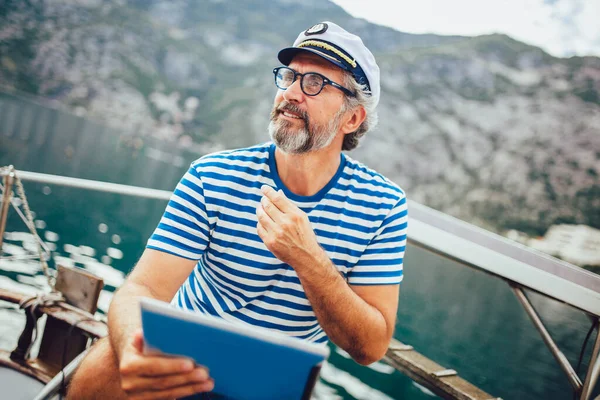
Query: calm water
{"points": [[461, 318]]}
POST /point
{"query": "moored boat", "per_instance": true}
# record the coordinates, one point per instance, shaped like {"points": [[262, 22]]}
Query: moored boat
{"points": [[443, 235]]}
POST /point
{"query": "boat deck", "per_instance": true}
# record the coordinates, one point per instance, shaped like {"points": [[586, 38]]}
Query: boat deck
{"points": [[442, 381], [520, 267]]}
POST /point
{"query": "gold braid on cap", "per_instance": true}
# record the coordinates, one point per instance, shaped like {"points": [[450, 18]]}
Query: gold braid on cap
{"points": [[329, 47]]}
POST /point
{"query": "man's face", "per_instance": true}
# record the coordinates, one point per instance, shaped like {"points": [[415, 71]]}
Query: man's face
{"points": [[300, 123]]}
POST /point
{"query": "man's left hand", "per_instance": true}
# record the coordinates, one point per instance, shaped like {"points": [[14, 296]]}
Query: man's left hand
{"points": [[285, 229]]}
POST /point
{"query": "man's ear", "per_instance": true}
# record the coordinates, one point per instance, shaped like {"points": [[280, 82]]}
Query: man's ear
{"points": [[356, 118]]}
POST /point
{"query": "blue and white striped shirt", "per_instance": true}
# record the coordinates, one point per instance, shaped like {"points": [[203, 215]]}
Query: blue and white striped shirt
{"points": [[359, 217]]}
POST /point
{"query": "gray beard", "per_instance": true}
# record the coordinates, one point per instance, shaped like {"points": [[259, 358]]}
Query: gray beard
{"points": [[301, 140]]}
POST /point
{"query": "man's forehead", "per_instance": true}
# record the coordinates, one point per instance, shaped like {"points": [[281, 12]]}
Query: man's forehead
{"points": [[312, 59]]}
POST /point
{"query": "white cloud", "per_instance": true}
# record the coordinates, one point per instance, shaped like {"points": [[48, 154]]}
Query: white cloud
{"points": [[561, 27]]}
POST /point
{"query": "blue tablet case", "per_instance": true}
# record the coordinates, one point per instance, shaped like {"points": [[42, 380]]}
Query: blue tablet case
{"points": [[247, 363]]}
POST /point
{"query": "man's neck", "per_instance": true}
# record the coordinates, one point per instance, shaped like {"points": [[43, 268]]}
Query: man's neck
{"points": [[307, 174]]}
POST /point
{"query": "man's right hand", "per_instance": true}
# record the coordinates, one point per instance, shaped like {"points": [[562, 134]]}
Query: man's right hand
{"points": [[159, 377]]}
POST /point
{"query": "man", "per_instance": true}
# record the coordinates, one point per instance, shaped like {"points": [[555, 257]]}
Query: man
{"points": [[292, 236]]}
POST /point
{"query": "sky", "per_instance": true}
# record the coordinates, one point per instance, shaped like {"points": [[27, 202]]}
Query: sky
{"points": [[562, 28]]}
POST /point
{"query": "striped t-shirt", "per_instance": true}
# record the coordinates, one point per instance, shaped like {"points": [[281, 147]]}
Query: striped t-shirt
{"points": [[359, 217]]}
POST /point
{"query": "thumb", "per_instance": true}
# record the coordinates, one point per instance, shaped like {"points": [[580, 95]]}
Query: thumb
{"points": [[138, 340]]}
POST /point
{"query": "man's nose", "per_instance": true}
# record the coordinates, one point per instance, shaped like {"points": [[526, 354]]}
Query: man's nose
{"points": [[294, 92]]}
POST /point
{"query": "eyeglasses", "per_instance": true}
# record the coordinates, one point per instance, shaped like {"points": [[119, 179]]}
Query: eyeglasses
{"points": [[311, 83]]}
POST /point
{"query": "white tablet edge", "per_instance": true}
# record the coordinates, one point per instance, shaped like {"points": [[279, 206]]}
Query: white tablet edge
{"points": [[160, 307]]}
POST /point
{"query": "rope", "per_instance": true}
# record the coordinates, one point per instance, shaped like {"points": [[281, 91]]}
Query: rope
{"points": [[48, 299], [31, 305], [24, 219], [31, 225]]}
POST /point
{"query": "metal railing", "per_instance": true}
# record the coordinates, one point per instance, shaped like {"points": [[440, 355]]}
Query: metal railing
{"points": [[521, 267], [518, 265], [8, 182]]}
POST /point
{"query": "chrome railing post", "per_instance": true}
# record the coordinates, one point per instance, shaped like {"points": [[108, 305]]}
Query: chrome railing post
{"points": [[562, 360], [591, 377], [8, 182]]}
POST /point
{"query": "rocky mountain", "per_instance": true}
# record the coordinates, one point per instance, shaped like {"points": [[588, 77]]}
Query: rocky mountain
{"points": [[494, 131], [486, 128]]}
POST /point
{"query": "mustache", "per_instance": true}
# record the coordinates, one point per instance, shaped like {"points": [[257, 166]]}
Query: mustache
{"points": [[289, 107]]}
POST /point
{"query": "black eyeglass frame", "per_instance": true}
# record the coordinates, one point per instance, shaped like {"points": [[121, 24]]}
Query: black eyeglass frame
{"points": [[326, 81]]}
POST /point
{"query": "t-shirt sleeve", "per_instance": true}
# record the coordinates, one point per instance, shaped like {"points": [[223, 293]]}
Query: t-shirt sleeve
{"points": [[382, 261], [183, 229]]}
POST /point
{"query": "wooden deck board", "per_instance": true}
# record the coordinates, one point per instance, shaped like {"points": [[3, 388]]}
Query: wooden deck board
{"points": [[423, 370]]}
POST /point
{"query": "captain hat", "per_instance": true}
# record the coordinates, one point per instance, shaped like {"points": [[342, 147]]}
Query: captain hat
{"points": [[340, 47]]}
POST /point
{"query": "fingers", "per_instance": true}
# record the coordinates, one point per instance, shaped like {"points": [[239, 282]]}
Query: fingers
{"points": [[262, 232], [136, 384], [264, 219], [149, 377], [135, 362], [139, 365], [271, 210], [157, 376], [138, 340], [278, 199], [175, 393]]}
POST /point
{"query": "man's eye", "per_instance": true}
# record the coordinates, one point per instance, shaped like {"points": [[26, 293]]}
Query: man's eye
{"points": [[313, 80]]}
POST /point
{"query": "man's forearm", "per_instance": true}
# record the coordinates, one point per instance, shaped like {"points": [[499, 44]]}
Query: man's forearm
{"points": [[124, 314], [349, 321], [146, 280]]}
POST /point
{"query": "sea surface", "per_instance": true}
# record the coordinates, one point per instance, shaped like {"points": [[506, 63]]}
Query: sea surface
{"points": [[461, 318]]}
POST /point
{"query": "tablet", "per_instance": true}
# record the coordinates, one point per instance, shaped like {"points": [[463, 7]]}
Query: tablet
{"points": [[246, 362]]}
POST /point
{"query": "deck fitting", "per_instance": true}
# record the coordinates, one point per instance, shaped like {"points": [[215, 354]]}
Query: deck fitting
{"points": [[401, 347], [445, 372]]}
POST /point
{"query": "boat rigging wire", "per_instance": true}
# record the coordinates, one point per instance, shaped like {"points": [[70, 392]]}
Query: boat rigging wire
{"points": [[31, 225], [24, 219]]}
